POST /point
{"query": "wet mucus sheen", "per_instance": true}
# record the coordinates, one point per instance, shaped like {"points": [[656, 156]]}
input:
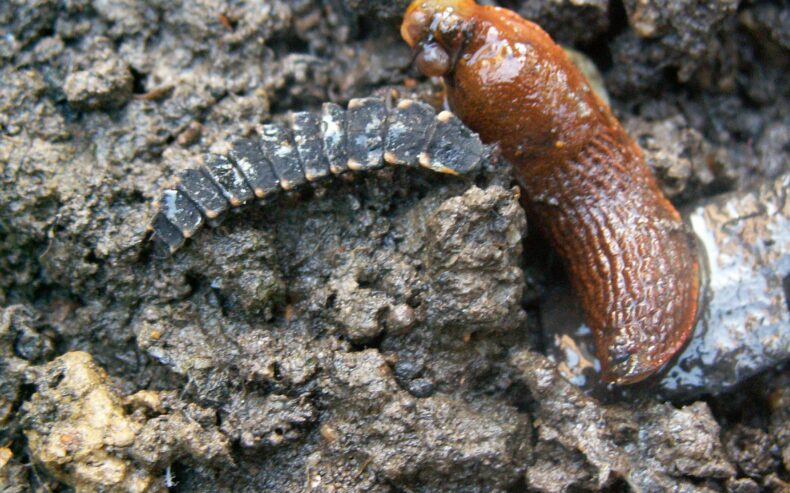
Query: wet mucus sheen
{"points": [[587, 187]]}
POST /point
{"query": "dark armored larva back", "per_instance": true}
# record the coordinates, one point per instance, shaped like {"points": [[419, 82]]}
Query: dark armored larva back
{"points": [[312, 148]]}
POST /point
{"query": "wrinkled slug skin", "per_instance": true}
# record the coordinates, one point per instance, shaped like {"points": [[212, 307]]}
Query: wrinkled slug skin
{"points": [[586, 183]]}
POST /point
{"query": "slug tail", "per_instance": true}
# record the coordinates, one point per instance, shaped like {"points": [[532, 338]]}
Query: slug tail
{"points": [[630, 257]]}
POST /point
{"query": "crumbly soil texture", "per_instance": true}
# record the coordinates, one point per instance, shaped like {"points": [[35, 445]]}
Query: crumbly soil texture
{"points": [[381, 333]]}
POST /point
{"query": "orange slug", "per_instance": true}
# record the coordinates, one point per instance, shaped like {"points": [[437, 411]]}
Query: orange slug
{"points": [[586, 185]]}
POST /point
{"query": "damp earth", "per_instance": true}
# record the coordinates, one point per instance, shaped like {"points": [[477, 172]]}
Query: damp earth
{"points": [[387, 331]]}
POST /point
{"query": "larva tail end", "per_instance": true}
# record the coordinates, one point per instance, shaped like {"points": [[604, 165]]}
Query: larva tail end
{"points": [[165, 235]]}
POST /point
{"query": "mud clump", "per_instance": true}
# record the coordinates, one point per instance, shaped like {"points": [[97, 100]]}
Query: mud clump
{"points": [[568, 21], [652, 446], [75, 424], [691, 39], [108, 83], [81, 431], [409, 441]]}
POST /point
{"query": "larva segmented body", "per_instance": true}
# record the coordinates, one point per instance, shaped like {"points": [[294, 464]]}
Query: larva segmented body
{"points": [[312, 148]]}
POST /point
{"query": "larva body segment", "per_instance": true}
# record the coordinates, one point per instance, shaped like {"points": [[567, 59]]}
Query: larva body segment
{"points": [[167, 234], [586, 184], [365, 130], [181, 212], [247, 155], [205, 194], [281, 153], [443, 154], [307, 137], [313, 148], [230, 180], [410, 125], [333, 135]]}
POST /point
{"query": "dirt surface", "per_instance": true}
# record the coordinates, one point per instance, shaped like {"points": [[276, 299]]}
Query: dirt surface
{"points": [[380, 334]]}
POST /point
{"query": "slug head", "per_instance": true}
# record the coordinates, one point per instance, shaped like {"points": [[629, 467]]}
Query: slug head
{"points": [[437, 30]]}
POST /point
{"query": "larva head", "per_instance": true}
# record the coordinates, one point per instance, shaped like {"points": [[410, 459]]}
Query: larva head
{"points": [[437, 30]]}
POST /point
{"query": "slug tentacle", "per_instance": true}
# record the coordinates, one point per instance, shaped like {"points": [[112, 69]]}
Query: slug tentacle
{"points": [[586, 184]]}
